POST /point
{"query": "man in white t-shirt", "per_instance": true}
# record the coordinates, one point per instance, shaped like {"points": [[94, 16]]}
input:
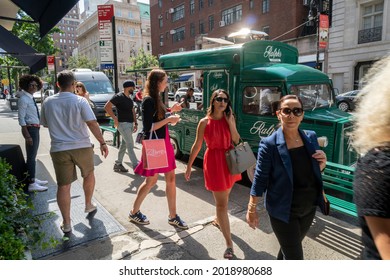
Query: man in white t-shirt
{"points": [[68, 118]]}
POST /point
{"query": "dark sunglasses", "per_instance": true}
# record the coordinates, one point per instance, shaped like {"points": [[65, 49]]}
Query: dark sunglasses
{"points": [[78, 86], [296, 111], [220, 99]]}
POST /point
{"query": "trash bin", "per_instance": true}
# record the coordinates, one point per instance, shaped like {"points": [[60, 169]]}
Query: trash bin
{"points": [[13, 103]]}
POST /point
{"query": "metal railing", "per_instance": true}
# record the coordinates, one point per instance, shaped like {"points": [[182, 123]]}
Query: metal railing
{"points": [[370, 35]]}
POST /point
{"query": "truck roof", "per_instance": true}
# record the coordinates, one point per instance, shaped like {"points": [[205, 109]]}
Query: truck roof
{"points": [[244, 55]]}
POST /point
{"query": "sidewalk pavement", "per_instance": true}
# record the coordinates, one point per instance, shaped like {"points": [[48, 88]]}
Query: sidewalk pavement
{"points": [[109, 234]]}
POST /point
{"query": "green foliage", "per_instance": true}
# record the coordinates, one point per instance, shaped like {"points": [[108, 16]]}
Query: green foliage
{"points": [[81, 61], [143, 61], [19, 228]]}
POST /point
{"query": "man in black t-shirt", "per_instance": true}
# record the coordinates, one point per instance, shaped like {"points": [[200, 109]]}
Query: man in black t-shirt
{"points": [[125, 122]]}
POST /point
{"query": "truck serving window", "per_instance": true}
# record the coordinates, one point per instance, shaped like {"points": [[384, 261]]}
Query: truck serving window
{"points": [[260, 100], [313, 96]]}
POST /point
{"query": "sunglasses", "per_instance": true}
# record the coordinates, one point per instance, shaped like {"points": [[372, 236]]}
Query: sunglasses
{"points": [[220, 99], [78, 86], [296, 111]]}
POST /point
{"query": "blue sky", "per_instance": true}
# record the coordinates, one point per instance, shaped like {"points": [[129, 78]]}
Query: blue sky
{"points": [[81, 3]]}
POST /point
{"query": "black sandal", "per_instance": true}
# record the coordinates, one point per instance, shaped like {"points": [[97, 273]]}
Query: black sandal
{"points": [[229, 254]]}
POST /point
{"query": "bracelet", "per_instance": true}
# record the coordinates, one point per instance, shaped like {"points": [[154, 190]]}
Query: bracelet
{"points": [[102, 144], [251, 212]]}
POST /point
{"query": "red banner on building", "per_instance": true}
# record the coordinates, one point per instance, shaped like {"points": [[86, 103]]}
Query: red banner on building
{"points": [[324, 31]]}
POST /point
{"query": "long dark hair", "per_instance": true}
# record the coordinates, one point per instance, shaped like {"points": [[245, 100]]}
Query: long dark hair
{"points": [[155, 77], [210, 109]]}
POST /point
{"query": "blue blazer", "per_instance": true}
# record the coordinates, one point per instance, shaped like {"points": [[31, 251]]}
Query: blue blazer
{"points": [[274, 174]]}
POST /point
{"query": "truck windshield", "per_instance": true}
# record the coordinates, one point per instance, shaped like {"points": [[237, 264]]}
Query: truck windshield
{"points": [[313, 96]]}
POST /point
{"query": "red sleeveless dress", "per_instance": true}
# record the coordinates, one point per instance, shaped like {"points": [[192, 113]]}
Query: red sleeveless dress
{"points": [[218, 140]]}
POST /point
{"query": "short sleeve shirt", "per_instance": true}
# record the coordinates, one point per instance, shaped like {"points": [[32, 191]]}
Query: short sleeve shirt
{"points": [[124, 107], [372, 193]]}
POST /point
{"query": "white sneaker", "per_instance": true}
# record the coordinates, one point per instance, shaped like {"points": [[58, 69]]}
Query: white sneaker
{"points": [[34, 187], [41, 182]]}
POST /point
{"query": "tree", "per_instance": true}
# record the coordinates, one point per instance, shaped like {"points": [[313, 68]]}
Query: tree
{"points": [[143, 61], [81, 61]]}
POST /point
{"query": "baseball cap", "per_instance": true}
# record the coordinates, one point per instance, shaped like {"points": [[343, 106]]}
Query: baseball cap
{"points": [[128, 83]]}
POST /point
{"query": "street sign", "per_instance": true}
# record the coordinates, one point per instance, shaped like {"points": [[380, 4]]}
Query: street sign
{"points": [[50, 62], [105, 14], [107, 66]]}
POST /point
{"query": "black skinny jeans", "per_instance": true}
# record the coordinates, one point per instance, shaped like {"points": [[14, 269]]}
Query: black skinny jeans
{"points": [[290, 235]]}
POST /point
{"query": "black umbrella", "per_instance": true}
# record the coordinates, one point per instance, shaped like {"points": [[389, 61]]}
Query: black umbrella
{"points": [[46, 12]]}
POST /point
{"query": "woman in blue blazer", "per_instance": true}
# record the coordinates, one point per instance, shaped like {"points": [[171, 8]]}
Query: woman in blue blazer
{"points": [[288, 172]]}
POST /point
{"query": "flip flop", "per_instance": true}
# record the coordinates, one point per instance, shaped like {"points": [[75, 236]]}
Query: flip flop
{"points": [[229, 254]]}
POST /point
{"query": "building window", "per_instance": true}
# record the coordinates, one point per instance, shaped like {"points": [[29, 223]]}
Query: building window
{"points": [[211, 23], [131, 32], [160, 22], [118, 13], [178, 13], [178, 35], [161, 40], [232, 15], [211, 2], [130, 14], [192, 29], [251, 4], [371, 23], [120, 30], [160, 3], [201, 4], [201, 27], [192, 7], [148, 46], [265, 6]]}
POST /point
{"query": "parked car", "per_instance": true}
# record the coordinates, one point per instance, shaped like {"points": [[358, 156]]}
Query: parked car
{"points": [[171, 96], [198, 95], [48, 92], [38, 96], [347, 101]]}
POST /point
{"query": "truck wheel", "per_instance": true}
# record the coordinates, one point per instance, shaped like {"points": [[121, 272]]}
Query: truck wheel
{"points": [[176, 150], [343, 106]]}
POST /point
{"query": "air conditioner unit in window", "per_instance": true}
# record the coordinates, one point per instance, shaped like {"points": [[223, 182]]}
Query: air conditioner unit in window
{"points": [[161, 44], [171, 10], [221, 23], [172, 31], [182, 49], [160, 16], [306, 2]]}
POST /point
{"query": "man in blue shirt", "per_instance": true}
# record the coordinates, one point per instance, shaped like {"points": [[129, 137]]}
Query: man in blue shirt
{"points": [[28, 116]]}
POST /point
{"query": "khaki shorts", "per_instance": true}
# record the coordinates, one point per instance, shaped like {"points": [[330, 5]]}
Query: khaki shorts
{"points": [[65, 163]]}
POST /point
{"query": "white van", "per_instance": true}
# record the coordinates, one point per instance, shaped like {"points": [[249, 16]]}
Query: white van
{"points": [[99, 87]]}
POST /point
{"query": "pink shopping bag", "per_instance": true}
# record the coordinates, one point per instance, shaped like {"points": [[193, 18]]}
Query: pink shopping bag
{"points": [[154, 154]]}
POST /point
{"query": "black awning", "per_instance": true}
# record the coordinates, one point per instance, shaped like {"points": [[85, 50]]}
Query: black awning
{"points": [[14, 46], [46, 12]]}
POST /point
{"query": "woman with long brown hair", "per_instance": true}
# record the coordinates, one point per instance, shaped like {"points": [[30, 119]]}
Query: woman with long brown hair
{"points": [[156, 119], [219, 130], [81, 90]]}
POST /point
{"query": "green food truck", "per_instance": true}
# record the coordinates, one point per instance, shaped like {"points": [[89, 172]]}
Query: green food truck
{"points": [[256, 74]]}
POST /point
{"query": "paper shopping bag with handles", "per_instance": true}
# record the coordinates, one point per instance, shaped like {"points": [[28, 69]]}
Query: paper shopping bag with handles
{"points": [[154, 153]]}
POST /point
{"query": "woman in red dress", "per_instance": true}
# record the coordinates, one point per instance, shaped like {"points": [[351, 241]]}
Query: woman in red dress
{"points": [[219, 130]]}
